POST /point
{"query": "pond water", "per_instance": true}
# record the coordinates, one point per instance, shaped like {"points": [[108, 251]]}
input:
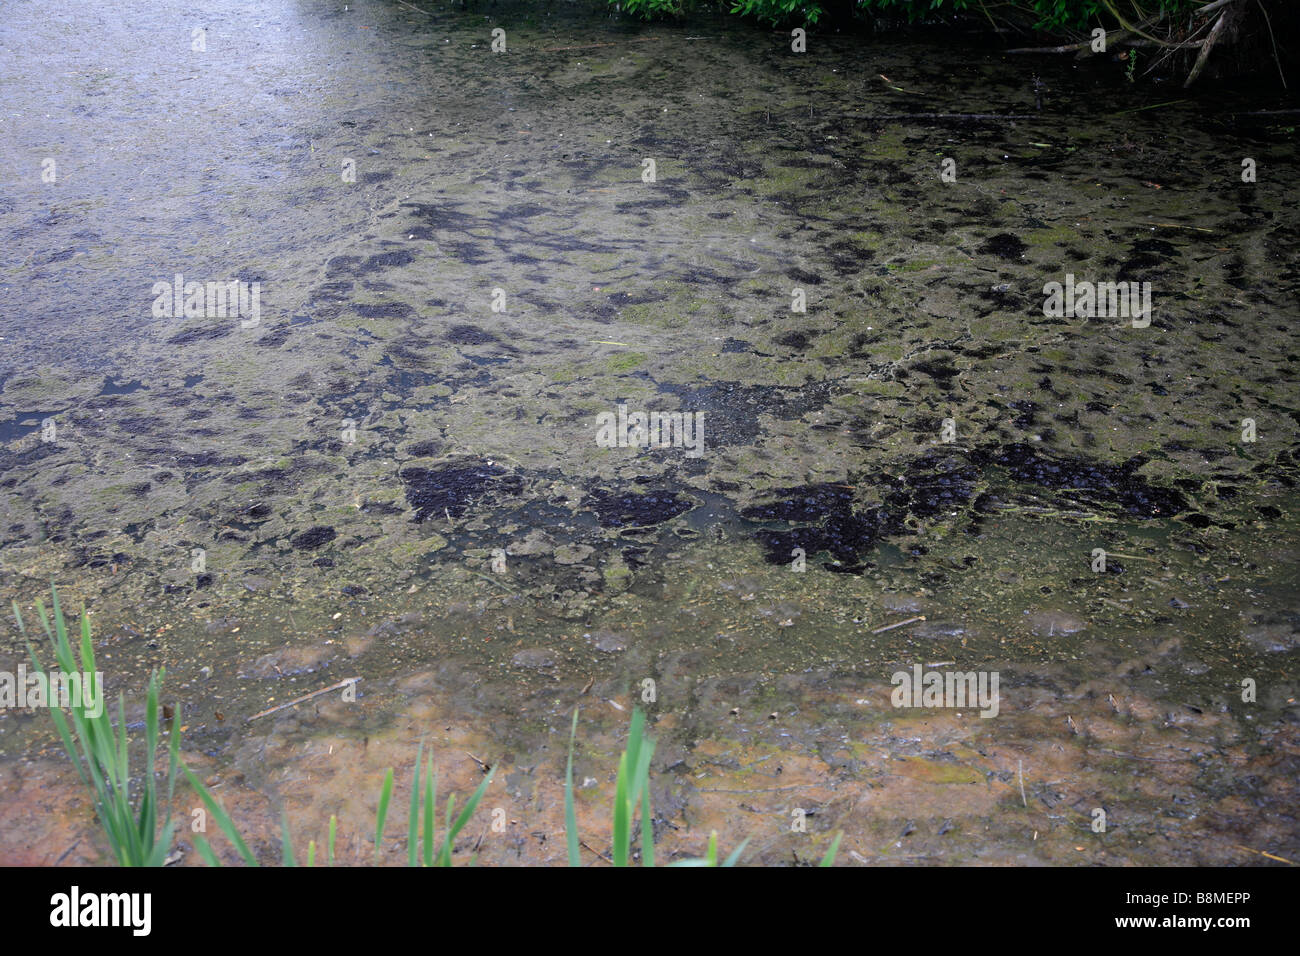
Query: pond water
{"points": [[390, 468]]}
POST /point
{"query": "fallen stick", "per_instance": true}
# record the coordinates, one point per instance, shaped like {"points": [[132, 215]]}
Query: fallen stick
{"points": [[1162, 45], [1174, 225], [1280, 859], [1120, 753], [299, 700], [890, 627], [504, 587], [593, 46], [958, 116], [1071, 47], [1205, 50], [65, 853], [1153, 106], [415, 8], [1211, 7], [890, 84]]}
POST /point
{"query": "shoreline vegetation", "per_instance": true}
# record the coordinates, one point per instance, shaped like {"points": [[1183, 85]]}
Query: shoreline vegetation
{"points": [[1194, 39], [138, 825]]}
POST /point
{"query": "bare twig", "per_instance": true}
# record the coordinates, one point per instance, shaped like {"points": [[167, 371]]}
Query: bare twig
{"points": [[597, 852], [1153, 106], [489, 580], [1211, 7], [1280, 859], [299, 700], [1071, 47], [65, 853], [981, 117], [1269, 23], [890, 627], [590, 46], [415, 8], [1120, 753]]}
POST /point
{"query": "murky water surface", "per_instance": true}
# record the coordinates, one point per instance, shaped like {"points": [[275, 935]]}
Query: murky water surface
{"points": [[351, 465]]}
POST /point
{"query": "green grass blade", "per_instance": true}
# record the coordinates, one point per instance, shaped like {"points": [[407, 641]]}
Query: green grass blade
{"points": [[470, 806], [173, 754], [151, 724], [385, 794], [635, 736], [454, 829], [87, 647], [413, 821], [641, 778], [60, 627], [63, 657], [619, 852], [334, 827], [430, 806], [119, 792], [626, 790], [223, 820], [60, 721], [647, 829], [734, 858], [311, 853], [205, 851], [161, 845], [122, 785], [122, 769], [101, 753], [829, 858], [286, 841], [570, 817], [43, 617], [639, 753], [148, 818]]}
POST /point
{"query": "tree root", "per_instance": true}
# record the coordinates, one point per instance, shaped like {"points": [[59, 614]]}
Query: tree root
{"points": [[1208, 45], [1136, 35], [1115, 37]]}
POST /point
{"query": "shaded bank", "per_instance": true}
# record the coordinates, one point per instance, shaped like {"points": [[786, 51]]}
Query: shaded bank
{"points": [[1230, 37]]}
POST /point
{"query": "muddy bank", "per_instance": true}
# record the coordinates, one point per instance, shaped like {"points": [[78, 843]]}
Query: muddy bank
{"points": [[394, 473]]}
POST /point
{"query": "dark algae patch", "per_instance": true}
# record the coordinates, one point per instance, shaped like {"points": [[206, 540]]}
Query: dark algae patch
{"points": [[1004, 246], [313, 538], [454, 490], [932, 485], [943, 485], [636, 510], [1097, 485]]}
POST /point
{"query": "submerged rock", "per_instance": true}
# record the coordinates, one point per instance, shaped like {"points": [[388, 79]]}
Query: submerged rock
{"points": [[1053, 623], [535, 658]]}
